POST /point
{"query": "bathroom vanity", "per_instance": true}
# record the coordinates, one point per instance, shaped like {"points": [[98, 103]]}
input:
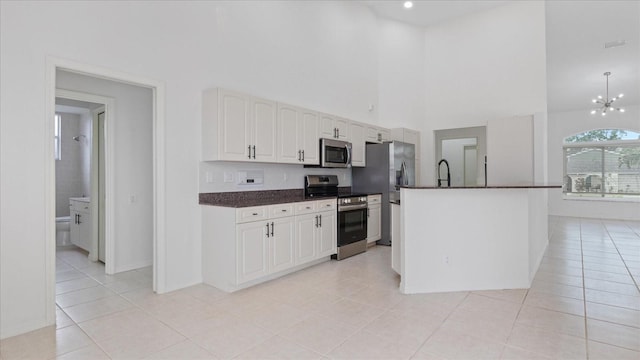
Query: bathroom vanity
{"points": [[80, 222]]}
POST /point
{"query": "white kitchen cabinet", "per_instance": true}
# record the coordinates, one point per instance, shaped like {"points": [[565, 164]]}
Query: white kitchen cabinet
{"points": [[238, 127], [374, 218], [282, 238], [357, 134], [252, 251], [298, 134], [306, 238], [334, 127], [327, 233], [245, 246], [80, 223], [375, 134]]}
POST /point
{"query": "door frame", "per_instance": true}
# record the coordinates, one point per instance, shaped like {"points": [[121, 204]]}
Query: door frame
{"points": [[159, 171], [108, 104]]}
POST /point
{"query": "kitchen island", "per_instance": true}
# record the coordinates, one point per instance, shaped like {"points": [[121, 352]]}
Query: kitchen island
{"points": [[462, 239]]}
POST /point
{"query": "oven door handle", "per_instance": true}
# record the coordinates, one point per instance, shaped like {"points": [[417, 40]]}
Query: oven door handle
{"points": [[351, 207]]}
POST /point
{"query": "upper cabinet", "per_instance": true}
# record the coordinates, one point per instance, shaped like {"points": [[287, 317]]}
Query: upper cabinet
{"points": [[238, 127], [407, 136], [297, 138], [377, 135], [333, 127], [357, 132], [241, 127]]}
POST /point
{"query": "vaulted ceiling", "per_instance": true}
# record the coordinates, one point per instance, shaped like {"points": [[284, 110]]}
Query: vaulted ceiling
{"points": [[576, 35]]}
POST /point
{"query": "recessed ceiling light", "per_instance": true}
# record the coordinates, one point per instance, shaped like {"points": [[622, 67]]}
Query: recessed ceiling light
{"points": [[616, 43], [408, 4]]}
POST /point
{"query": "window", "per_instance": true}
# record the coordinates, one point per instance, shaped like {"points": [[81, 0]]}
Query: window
{"points": [[602, 164], [57, 133]]}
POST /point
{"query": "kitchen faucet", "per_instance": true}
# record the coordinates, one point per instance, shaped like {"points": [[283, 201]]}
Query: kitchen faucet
{"points": [[448, 173]]}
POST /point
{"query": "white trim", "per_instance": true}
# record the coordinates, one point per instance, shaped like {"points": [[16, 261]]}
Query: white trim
{"points": [[159, 234]]}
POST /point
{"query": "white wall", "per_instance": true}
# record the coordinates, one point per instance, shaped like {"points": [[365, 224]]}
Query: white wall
{"points": [[401, 71], [564, 124], [320, 55], [132, 173], [490, 65]]}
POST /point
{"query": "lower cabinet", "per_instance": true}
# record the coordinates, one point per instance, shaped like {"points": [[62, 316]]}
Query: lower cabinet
{"points": [[80, 224], [281, 240], [374, 220]]}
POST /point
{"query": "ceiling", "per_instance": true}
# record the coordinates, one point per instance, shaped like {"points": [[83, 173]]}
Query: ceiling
{"points": [[576, 34]]}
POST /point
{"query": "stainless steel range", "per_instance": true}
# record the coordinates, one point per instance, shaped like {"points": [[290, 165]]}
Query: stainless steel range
{"points": [[352, 213]]}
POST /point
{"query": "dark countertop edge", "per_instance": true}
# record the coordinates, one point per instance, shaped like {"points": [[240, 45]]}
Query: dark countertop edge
{"points": [[260, 203], [487, 187]]}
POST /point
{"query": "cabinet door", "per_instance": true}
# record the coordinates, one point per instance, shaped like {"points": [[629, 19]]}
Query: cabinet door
{"points": [[84, 220], [234, 126], [357, 132], [374, 135], [343, 129], [308, 137], [385, 134], [282, 244], [328, 234], [252, 251], [374, 224], [289, 127], [306, 232], [328, 127], [264, 119], [74, 229]]}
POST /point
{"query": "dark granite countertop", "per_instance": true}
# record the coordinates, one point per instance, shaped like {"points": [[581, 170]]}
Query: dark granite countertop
{"points": [[240, 199]]}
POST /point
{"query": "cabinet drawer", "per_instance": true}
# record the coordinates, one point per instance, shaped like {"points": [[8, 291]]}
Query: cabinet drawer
{"points": [[79, 206], [305, 207], [282, 210], [249, 214], [325, 205], [374, 199]]}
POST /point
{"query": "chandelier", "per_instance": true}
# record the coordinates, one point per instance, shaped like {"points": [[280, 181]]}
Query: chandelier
{"points": [[606, 104]]}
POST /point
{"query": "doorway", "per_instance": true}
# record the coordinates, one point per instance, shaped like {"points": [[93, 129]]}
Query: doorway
{"points": [[80, 169], [157, 174]]}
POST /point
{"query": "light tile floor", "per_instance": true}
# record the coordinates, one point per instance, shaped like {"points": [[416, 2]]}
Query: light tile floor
{"points": [[584, 303]]}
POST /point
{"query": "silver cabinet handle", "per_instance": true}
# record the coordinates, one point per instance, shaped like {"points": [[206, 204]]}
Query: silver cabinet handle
{"points": [[338, 129], [267, 229], [303, 155], [320, 220], [79, 222], [299, 155], [272, 229], [249, 151], [254, 151]]}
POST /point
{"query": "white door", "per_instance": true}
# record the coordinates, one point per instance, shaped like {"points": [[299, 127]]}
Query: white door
{"points": [[264, 121], [357, 132], [306, 229], [252, 251], [374, 224], [327, 127], [327, 238], [282, 243], [234, 125], [342, 125], [289, 126], [308, 137]]}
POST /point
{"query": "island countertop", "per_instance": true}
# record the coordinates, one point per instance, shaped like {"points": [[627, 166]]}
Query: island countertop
{"points": [[486, 187]]}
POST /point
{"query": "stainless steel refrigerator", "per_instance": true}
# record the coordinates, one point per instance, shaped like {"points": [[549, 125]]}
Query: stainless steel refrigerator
{"points": [[388, 166]]}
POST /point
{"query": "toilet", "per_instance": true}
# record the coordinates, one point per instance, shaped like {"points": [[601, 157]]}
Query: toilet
{"points": [[62, 231]]}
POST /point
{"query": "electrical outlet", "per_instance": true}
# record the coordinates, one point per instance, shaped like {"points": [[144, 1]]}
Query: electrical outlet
{"points": [[228, 177]]}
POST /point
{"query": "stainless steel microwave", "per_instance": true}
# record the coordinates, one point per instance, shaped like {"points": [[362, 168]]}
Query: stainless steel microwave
{"points": [[335, 153]]}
